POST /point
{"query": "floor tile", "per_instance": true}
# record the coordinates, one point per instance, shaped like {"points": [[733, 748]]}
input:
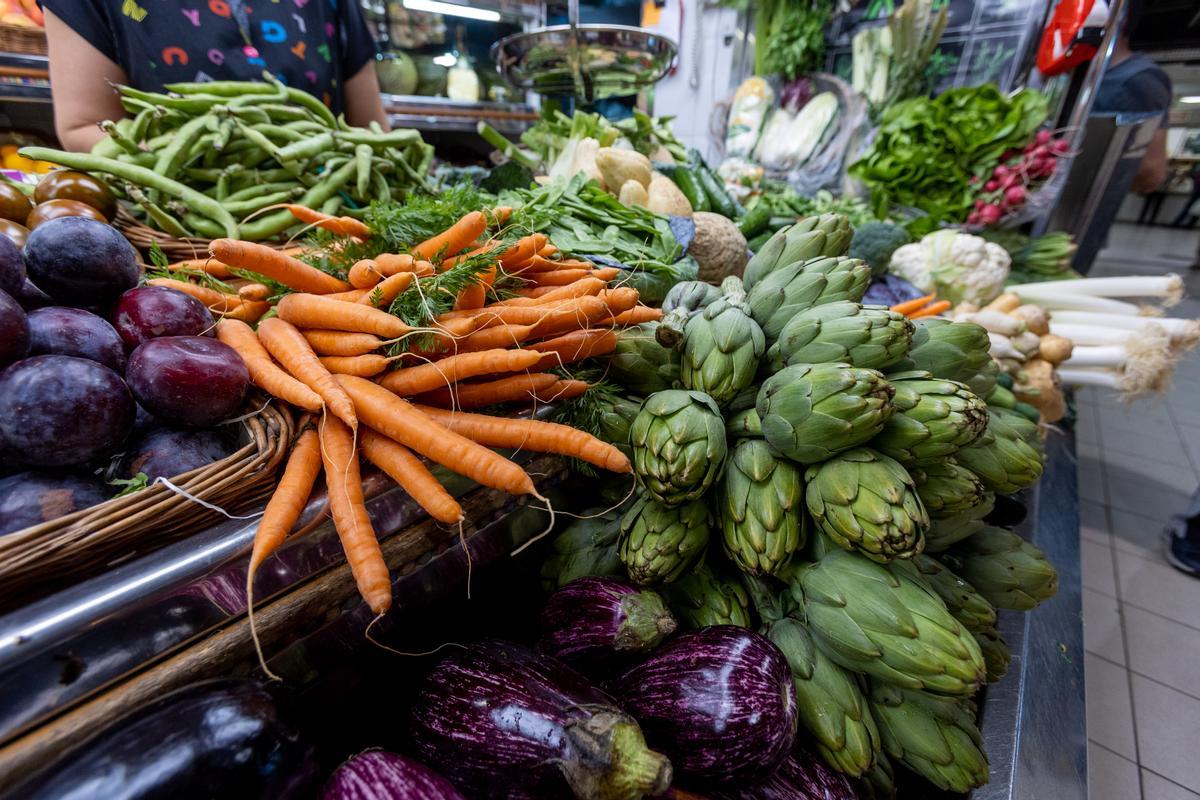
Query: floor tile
{"points": [[1158, 587], [1168, 449], [1102, 626], [1156, 787], [1150, 416], [1093, 522], [1109, 712], [1147, 487], [1161, 649], [1190, 434], [1168, 728], [1136, 534], [1111, 777], [1097, 564], [1090, 471], [1087, 426]]}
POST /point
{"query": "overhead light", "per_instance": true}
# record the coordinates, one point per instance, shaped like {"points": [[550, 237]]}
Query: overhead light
{"points": [[445, 60], [452, 10], [1192, 98]]}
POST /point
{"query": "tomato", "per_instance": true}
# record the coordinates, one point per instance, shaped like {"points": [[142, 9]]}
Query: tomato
{"points": [[59, 207], [68, 184], [14, 204], [15, 231]]}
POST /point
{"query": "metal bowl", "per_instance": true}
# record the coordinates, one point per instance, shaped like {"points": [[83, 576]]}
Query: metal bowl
{"points": [[590, 61]]}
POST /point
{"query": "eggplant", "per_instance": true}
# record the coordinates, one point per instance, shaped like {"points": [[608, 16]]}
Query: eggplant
{"points": [[222, 738], [801, 776], [718, 701], [380, 775], [593, 622], [502, 721]]}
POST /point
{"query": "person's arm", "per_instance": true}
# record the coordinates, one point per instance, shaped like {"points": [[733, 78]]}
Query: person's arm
{"points": [[364, 104], [1153, 169], [79, 84]]}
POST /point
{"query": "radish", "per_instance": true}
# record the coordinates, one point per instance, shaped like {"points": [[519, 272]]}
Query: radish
{"points": [[1060, 146], [1043, 137], [990, 214], [991, 186], [973, 218], [1015, 195]]}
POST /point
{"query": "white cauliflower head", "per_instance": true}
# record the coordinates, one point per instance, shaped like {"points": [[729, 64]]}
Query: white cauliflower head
{"points": [[957, 266]]}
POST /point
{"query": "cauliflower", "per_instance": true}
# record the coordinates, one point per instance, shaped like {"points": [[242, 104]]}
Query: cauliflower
{"points": [[957, 266]]}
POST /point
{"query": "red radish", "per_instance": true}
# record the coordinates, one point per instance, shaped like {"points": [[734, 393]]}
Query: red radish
{"points": [[1015, 195], [999, 172], [973, 218], [989, 214], [1009, 182], [979, 204], [991, 186], [1060, 146], [1043, 136]]}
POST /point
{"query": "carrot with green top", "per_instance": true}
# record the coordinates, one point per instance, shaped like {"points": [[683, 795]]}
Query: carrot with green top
{"points": [[211, 298], [492, 338], [364, 366], [452, 369], [398, 462], [290, 348], [277, 266], [931, 310], [574, 346], [563, 389], [637, 315], [342, 226], [388, 290], [454, 239], [287, 501], [315, 311]]}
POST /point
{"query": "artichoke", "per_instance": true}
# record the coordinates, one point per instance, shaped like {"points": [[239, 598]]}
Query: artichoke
{"points": [[944, 532], [641, 364], [935, 737], [722, 346], [947, 489], [865, 501], [967, 605], [1004, 461], [956, 351], [831, 704], [678, 441], [759, 508], [657, 542], [1004, 568], [684, 300], [984, 381], [877, 619], [879, 783], [811, 237], [810, 412], [703, 597], [996, 654], [587, 546], [798, 287], [933, 418], [614, 417], [862, 336], [1029, 431], [744, 424]]}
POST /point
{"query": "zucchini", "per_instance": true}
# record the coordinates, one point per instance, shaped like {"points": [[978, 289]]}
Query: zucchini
{"points": [[755, 220], [718, 198]]}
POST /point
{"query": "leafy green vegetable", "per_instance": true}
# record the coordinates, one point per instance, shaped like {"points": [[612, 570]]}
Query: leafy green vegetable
{"points": [[130, 485], [789, 35], [784, 201]]}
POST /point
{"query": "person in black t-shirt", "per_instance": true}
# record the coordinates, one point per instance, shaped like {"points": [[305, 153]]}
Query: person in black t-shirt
{"points": [[320, 46]]}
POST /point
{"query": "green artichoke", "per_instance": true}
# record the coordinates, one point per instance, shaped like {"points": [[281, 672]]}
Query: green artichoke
{"points": [[683, 301], [935, 737], [830, 702], [945, 531], [722, 346], [983, 381], [1004, 568], [744, 424], [614, 417], [873, 618], [1004, 461], [585, 547], [704, 597], [641, 364], [934, 417], [798, 287], [846, 332], [956, 351], [947, 489], [996, 654], [657, 542], [967, 605], [759, 508], [810, 412], [811, 237], [879, 783], [867, 502], [1027, 429], [678, 441]]}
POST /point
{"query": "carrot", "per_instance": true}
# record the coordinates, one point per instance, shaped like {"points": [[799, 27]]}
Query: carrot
{"points": [[577, 289], [387, 290], [389, 264], [472, 296], [263, 372], [352, 296], [290, 348], [539, 263], [908, 306], [530, 434], [399, 420], [492, 338], [619, 300], [637, 315], [348, 508], [574, 346], [364, 366], [364, 274], [341, 343], [427, 377], [342, 226], [287, 501], [413, 477], [548, 251], [315, 311], [522, 251], [275, 265], [586, 312], [559, 277], [564, 389], [931, 310], [478, 395], [211, 298], [207, 265], [454, 239], [500, 214], [247, 310]]}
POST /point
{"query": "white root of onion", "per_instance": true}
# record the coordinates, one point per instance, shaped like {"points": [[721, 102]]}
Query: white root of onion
{"points": [[1167, 287], [1184, 333], [1056, 301]]}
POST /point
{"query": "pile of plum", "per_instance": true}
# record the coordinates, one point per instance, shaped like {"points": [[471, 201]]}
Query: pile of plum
{"points": [[101, 379]]}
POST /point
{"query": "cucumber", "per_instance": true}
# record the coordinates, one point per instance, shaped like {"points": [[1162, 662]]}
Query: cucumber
{"points": [[755, 220], [688, 183], [718, 198]]}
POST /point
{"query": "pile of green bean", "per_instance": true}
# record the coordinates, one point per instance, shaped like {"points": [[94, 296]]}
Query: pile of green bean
{"points": [[203, 158]]}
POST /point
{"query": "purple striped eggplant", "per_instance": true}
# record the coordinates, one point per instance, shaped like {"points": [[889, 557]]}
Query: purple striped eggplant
{"points": [[501, 721], [593, 622], [718, 701], [801, 776], [380, 775]]}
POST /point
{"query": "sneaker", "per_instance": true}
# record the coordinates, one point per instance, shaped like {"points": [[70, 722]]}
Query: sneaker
{"points": [[1183, 553]]}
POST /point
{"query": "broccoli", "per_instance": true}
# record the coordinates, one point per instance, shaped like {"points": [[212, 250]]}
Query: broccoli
{"points": [[875, 242]]}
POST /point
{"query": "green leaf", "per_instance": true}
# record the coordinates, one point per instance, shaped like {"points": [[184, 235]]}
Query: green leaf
{"points": [[157, 257], [130, 485]]}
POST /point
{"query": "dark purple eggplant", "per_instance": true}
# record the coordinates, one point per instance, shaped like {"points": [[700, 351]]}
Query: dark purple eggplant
{"points": [[593, 622], [801, 776], [380, 775], [216, 739], [718, 701], [502, 721]]}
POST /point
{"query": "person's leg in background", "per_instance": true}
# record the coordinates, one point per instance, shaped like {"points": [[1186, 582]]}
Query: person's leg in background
{"points": [[1183, 538], [1185, 212], [1151, 205]]}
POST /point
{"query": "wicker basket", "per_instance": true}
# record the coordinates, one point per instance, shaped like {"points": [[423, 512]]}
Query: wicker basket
{"points": [[26, 41], [37, 560], [142, 236]]}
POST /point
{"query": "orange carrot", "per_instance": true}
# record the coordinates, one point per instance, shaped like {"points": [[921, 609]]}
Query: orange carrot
{"points": [[291, 349], [275, 265], [559, 277], [574, 346], [254, 291], [314, 311], [413, 477], [263, 371], [529, 434], [398, 420], [548, 251], [492, 338], [247, 310], [478, 395], [908, 306], [287, 501], [454, 239], [428, 377], [388, 290], [637, 315], [522, 251], [561, 390], [472, 296], [342, 226], [389, 264], [208, 265], [348, 508], [211, 298], [500, 214], [931, 310], [364, 274], [351, 296], [552, 293], [365, 366], [538, 263], [341, 343], [586, 312]]}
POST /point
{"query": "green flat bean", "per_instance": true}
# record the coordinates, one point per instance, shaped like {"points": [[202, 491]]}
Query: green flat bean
{"points": [[314, 105], [141, 123], [259, 141], [254, 190], [273, 131], [332, 205], [380, 187], [156, 213], [119, 138], [224, 134], [205, 227], [247, 114], [261, 201], [284, 113], [173, 156], [362, 161], [315, 197], [396, 138], [221, 88], [193, 104], [309, 148]]}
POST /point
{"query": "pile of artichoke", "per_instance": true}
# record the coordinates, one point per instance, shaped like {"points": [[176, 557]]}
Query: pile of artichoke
{"points": [[822, 470]]}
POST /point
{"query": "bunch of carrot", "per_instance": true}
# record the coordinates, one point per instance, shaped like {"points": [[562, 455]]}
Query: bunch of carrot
{"points": [[924, 306], [322, 351]]}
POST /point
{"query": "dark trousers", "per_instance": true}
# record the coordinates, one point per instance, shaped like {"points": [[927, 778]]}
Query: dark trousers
{"points": [[1185, 212], [1151, 205]]}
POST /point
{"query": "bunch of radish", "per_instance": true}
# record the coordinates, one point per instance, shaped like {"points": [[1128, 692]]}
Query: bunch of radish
{"points": [[1019, 172]]}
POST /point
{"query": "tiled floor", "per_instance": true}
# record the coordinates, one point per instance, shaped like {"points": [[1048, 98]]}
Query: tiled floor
{"points": [[1138, 465]]}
